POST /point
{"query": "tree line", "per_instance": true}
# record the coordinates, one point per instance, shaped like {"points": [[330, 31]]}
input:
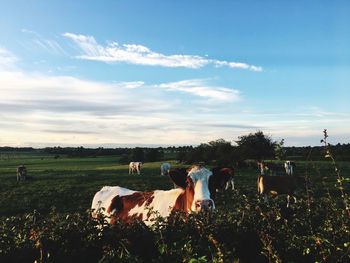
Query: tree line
{"points": [[254, 146]]}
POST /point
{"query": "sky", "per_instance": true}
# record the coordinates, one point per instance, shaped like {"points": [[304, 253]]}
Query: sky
{"points": [[160, 73]]}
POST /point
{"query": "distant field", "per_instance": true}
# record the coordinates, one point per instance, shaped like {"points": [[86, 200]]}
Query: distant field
{"points": [[68, 184]]}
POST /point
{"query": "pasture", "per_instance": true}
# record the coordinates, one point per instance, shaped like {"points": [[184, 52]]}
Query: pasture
{"points": [[59, 191]]}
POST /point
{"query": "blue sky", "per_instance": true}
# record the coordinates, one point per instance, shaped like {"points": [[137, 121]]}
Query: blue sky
{"points": [[117, 73]]}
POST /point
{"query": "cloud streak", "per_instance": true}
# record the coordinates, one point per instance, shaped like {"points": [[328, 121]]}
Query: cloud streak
{"points": [[198, 87], [48, 45], [141, 55]]}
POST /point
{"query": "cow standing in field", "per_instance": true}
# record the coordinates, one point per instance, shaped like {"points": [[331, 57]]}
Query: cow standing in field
{"points": [[165, 169], [193, 195], [277, 185], [270, 168], [263, 169], [21, 173], [135, 167], [225, 179], [289, 166]]}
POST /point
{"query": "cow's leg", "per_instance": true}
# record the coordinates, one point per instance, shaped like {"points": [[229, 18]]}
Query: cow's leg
{"points": [[18, 177], [227, 185], [233, 184]]}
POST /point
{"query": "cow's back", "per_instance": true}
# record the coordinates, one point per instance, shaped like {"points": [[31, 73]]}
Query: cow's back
{"points": [[103, 198], [278, 184]]}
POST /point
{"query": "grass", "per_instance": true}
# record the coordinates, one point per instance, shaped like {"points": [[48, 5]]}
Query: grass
{"points": [[69, 184], [243, 228]]}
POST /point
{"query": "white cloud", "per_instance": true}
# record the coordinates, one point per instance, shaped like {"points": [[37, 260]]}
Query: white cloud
{"points": [[141, 55], [7, 59], [199, 88]]}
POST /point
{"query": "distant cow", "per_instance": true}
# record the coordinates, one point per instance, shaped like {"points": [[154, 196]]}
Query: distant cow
{"points": [[135, 167], [193, 195], [165, 169], [277, 185], [224, 179], [289, 166], [21, 173]]}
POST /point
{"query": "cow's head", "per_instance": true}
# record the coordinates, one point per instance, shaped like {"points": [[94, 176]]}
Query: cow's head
{"points": [[195, 182]]}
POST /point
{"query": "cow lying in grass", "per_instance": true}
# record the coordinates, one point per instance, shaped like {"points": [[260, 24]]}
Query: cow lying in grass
{"points": [[277, 185], [193, 195]]}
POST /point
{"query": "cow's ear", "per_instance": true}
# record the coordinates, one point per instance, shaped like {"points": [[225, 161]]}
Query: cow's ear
{"points": [[178, 178]]}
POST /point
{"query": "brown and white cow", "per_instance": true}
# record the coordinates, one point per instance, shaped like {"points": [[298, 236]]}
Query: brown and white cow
{"points": [[119, 203], [277, 185], [135, 167]]}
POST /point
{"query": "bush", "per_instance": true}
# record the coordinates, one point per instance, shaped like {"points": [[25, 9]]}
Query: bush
{"points": [[243, 229]]}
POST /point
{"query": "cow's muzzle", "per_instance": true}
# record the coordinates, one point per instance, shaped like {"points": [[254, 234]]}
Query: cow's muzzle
{"points": [[204, 205]]}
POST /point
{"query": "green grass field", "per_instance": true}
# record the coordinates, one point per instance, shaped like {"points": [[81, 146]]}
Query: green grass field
{"points": [[69, 184], [55, 199]]}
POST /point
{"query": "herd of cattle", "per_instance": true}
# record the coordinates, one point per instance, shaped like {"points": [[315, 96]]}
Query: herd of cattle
{"points": [[195, 191]]}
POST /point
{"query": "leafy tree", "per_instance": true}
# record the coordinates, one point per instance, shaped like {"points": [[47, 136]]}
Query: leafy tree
{"points": [[219, 152], [280, 152], [256, 146], [137, 155], [153, 155]]}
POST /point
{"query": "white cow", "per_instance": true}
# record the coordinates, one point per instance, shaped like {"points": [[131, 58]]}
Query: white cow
{"points": [[135, 167], [165, 169], [290, 167]]}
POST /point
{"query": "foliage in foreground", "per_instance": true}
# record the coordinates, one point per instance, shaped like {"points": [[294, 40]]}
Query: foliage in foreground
{"points": [[244, 229]]}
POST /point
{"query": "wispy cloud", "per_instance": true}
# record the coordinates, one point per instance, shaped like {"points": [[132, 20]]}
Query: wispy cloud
{"points": [[141, 55], [46, 44], [199, 87]]}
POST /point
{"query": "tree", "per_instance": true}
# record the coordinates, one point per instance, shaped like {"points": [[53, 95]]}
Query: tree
{"points": [[256, 146], [280, 152], [153, 154], [137, 155]]}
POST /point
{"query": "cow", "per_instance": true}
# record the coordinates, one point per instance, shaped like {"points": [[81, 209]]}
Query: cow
{"points": [[289, 166], [277, 185], [262, 167], [135, 167], [270, 168], [224, 179], [21, 173], [193, 195], [165, 169]]}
